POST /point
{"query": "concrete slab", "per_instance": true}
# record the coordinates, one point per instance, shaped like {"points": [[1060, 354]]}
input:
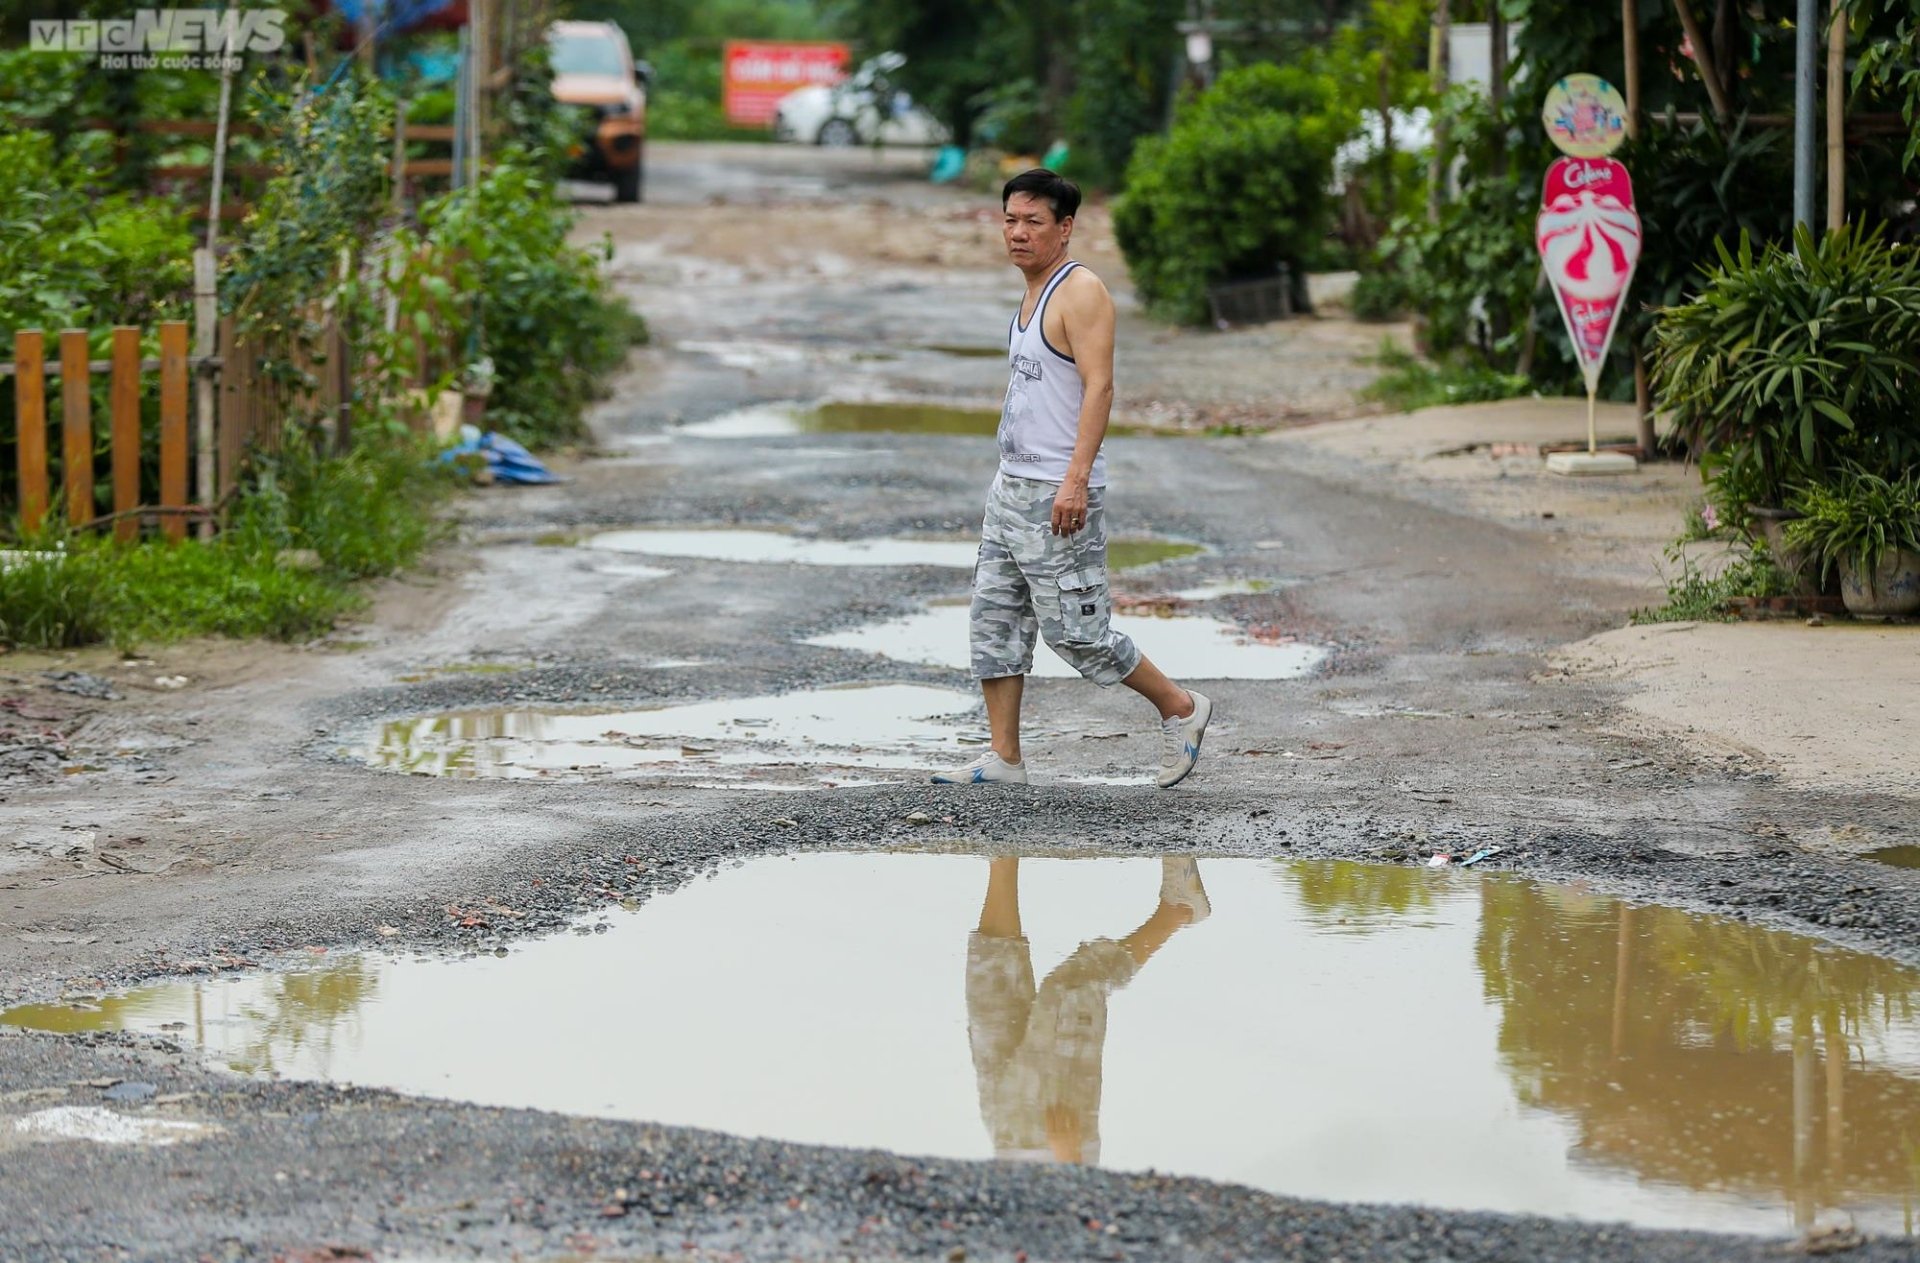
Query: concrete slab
{"points": [[1591, 464]]}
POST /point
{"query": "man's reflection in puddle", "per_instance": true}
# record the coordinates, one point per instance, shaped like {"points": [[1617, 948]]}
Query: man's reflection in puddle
{"points": [[1037, 1053]]}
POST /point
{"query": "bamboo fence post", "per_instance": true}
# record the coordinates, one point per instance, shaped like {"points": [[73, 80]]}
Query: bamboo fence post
{"points": [[173, 426], [125, 396], [30, 400], [1630, 51], [206, 320], [76, 425], [1703, 58]]}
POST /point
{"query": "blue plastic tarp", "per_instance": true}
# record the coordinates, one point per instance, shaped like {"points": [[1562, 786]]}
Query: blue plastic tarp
{"points": [[509, 461]]}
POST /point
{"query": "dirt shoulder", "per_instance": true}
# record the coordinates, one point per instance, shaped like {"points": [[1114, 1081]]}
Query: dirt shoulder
{"points": [[1818, 706], [1827, 707]]}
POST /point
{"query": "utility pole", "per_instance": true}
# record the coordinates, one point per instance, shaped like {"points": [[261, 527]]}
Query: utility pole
{"points": [[1805, 105]]}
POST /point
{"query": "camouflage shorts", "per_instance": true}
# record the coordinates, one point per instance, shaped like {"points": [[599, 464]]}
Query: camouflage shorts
{"points": [[1029, 580]]}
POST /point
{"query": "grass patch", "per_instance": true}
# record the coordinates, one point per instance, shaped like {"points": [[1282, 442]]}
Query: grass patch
{"points": [[1125, 554], [363, 515], [1694, 597], [1411, 383]]}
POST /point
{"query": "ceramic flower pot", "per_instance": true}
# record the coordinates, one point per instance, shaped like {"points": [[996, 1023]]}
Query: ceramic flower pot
{"points": [[1889, 589]]}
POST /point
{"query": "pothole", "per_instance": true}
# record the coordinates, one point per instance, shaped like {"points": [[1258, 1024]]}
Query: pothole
{"points": [[777, 547], [814, 731], [784, 419], [776, 420], [1898, 856], [968, 351], [1185, 646], [1227, 587], [1330, 1030]]}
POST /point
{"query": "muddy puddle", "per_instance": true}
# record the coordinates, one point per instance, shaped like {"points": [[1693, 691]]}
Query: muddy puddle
{"points": [[1327, 1030], [817, 730], [1898, 856], [776, 420], [776, 547], [780, 420], [1185, 646]]}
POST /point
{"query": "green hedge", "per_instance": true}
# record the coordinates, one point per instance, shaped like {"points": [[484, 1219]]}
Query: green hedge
{"points": [[1238, 187]]}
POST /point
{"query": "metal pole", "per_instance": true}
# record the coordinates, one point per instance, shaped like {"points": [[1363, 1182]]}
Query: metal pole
{"points": [[1805, 109], [1837, 117]]}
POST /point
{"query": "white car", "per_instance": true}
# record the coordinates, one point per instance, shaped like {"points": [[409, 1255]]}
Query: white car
{"points": [[863, 109]]}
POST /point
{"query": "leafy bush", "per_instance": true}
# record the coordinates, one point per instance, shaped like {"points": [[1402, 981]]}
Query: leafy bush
{"points": [[1237, 188], [1411, 383], [364, 514], [333, 153], [1124, 61], [1471, 275], [1856, 517], [71, 257], [541, 308], [1379, 295], [1789, 363]]}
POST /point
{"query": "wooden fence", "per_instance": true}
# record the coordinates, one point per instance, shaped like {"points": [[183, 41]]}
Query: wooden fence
{"points": [[75, 370], [248, 415]]}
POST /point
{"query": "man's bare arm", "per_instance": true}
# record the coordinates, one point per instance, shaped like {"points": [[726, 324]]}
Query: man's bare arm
{"points": [[1087, 320]]}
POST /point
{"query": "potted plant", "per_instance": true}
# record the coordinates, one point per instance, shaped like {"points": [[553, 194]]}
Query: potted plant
{"points": [[1789, 363], [1869, 527]]}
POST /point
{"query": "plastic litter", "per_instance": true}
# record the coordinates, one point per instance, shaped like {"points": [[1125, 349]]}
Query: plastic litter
{"points": [[948, 164], [1440, 859], [1481, 854], [506, 459]]}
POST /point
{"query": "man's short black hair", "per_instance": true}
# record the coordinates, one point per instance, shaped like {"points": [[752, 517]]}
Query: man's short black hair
{"points": [[1060, 192]]}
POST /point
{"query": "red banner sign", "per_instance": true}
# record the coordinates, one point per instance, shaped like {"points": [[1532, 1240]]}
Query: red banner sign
{"points": [[757, 73], [1589, 239]]}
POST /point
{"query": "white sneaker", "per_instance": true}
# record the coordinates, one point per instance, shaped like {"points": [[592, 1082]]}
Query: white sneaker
{"points": [[1180, 886], [986, 769], [1180, 741]]}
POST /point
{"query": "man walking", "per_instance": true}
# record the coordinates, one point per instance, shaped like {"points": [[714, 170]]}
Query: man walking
{"points": [[1043, 542]]}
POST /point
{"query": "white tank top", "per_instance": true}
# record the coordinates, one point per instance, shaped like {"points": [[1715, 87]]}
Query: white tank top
{"points": [[1040, 420]]}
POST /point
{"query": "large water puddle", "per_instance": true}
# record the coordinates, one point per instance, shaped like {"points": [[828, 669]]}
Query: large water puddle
{"points": [[1194, 647], [1331, 1030], [774, 547], [851, 726]]}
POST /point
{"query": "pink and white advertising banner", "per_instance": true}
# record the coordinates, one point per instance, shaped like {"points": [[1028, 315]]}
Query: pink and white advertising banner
{"points": [[1589, 239]]}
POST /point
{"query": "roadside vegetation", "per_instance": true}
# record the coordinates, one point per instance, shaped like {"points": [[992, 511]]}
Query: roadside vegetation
{"points": [[1411, 382], [431, 292]]}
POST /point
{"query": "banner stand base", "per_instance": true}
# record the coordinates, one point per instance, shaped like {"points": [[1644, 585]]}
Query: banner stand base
{"points": [[1591, 464]]}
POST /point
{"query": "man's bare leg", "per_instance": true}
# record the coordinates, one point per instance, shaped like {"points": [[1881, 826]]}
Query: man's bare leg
{"points": [[1155, 931], [1000, 914], [1151, 683], [1183, 900], [1003, 714]]}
